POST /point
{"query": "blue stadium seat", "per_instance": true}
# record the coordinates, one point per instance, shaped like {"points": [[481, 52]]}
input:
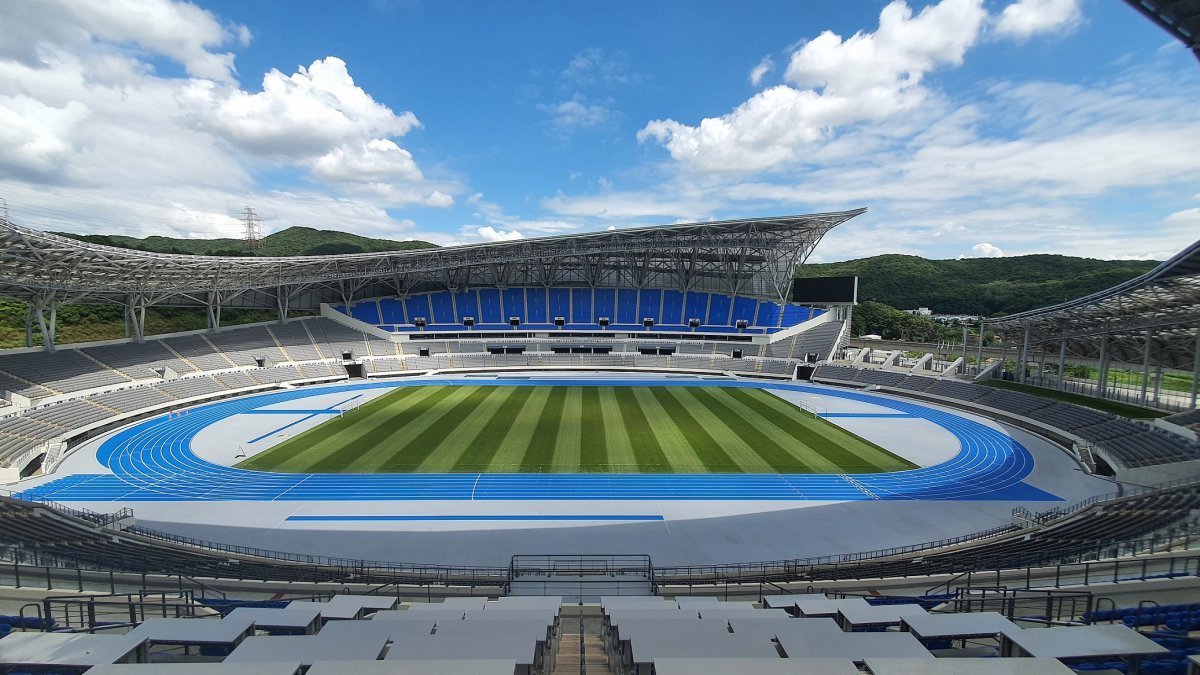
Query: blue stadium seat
{"points": [[743, 310], [768, 315], [466, 303], [392, 311], [695, 306], [650, 305], [489, 306], [443, 308], [560, 303], [366, 311], [582, 308], [606, 304], [581, 305], [626, 306], [794, 314], [718, 311], [535, 304], [672, 308], [514, 303], [418, 306]]}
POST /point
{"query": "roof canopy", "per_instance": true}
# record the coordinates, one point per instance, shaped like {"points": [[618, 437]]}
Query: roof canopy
{"points": [[1180, 18], [756, 257], [1162, 306]]}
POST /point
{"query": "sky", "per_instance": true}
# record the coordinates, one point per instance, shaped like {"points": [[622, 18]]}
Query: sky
{"points": [[968, 128]]}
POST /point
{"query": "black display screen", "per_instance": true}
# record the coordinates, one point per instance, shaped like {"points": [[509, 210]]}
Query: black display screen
{"points": [[825, 290]]}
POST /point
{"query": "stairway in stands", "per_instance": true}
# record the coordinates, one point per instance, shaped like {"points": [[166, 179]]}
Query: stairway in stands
{"points": [[580, 645]]}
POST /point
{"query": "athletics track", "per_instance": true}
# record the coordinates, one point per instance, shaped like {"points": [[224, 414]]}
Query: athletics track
{"points": [[152, 461]]}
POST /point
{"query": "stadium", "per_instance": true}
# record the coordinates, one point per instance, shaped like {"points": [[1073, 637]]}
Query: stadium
{"points": [[642, 450], [656, 410]]}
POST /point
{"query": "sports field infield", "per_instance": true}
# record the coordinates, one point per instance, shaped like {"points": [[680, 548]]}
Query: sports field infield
{"points": [[564, 429]]}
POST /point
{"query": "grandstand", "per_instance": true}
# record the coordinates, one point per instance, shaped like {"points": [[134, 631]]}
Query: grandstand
{"points": [[1120, 443], [586, 622]]}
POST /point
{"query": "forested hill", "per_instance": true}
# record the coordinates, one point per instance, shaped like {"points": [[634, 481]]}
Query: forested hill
{"points": [[987, 286], [292, 241]]}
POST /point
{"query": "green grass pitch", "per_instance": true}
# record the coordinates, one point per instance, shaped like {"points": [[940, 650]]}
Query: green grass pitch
{"points": [[559, 429]]}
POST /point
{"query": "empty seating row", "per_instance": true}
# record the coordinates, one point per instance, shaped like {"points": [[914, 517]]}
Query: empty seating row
{"points": [[22, 433], [537, 308], [1132, 444], [383, 366], [40, 374]]}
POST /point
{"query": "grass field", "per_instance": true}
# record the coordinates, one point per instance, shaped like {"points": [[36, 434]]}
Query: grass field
{"points": [[553, 429]]}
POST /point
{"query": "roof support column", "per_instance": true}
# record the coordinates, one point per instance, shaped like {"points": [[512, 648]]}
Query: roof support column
{"points": [[213, 305], [1102, 374], [1024, 356], [135, 317], [966, 334], [1146, 364], [979, 355], [47, 329], [1062, 362], [29, 324], [1196, 369], [281, 303]]}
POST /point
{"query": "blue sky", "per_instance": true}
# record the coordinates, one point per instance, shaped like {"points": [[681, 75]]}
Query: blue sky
{"points": [[968, 128]]}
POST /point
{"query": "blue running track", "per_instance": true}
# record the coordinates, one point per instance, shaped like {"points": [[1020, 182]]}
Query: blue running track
{"points": [[153, 461]]}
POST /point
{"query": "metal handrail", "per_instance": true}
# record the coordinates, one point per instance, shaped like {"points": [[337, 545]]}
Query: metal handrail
{"points": [[774, 570]]}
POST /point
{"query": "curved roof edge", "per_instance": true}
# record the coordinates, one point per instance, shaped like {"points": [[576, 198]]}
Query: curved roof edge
{"points": [[1186, 263], [757, 256], [655, 231]]}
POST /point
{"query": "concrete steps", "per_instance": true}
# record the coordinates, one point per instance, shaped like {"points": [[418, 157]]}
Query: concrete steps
{"points": [[580, 649]]}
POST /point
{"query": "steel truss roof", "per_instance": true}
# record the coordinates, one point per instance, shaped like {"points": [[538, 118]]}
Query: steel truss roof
{"points": [[1162, 306], [1180, 18], [755, 257]]}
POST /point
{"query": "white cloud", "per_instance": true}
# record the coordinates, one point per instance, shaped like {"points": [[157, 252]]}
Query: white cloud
{"points": [[757, 73], [93, 138], [180, 31], [576, 114], [37, 138], [595, 66], [1024, 19], [298, 116], [986, 250], [1186, 216], [489, 233], [439, 199], [378, 159], [832, 83]]}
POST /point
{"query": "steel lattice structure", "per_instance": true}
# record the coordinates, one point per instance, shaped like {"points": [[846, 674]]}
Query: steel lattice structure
{"points": [[754, 257], [1153, 320], [1180, 18]]}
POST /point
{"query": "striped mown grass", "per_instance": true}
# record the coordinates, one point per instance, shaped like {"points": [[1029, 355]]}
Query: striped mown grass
{"points": [[594, 429]]}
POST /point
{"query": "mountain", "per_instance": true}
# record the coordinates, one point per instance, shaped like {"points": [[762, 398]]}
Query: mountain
{"points": [[984, 286], [292, 241]]}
